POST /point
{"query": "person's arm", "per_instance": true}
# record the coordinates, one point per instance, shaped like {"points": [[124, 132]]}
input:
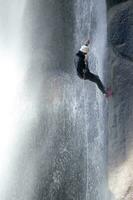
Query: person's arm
{"points": [[86, 65]]}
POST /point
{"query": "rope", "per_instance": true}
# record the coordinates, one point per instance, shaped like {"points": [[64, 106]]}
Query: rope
{"points": [[85, 116]]}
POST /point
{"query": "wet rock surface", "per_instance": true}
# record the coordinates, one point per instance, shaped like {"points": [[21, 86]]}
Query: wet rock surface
{"points": [[120, 38], [111, 3]]}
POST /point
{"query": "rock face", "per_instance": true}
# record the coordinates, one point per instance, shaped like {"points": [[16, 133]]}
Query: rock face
{"points": [[111, 3], [120, 37]]}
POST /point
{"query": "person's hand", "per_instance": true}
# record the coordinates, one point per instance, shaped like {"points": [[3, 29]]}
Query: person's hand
{"points": [[84, 71], [86, 57]]}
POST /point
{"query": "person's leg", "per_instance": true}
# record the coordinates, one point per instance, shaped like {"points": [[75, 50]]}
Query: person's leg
{"points": [[80, 75], [94, 78]]}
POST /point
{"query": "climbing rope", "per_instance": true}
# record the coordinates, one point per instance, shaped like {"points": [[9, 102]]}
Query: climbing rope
{"points": [[85, 114]]}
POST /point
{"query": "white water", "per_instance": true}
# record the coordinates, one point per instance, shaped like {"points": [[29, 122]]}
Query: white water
{"points": [[93, 16], [61, 137], [11, 76]]}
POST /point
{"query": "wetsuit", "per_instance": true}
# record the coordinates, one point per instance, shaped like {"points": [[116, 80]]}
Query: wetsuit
{"points": [[84, 72]]}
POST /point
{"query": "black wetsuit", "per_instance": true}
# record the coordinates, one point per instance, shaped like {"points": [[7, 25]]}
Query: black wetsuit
{"points": [[84, 72]]}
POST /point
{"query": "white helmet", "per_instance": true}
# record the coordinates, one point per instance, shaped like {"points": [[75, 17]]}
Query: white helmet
{"points": [[84, 49]]}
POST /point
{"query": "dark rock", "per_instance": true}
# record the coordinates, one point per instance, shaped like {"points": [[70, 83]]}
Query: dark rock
{"points": [[111, 3], [120, 30], [120, 40]]}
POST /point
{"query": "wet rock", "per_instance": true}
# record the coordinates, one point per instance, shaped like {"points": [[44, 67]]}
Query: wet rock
{"points": [[120, 40]]}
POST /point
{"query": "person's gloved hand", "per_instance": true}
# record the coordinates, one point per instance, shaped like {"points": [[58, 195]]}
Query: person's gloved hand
{"points": [[84, 71]]}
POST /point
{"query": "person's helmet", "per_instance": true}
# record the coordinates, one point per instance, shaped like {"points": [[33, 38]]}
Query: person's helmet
{"points": [[84, 49]]}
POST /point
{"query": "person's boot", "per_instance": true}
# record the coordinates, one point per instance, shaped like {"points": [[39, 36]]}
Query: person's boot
{"points": [[109, 92]]}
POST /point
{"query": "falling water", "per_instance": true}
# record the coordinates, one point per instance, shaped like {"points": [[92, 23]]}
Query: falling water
{"points": [[11, 76], [54, 124]]}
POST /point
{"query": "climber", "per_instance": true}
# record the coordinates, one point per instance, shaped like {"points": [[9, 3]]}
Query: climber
{"points": [[83, 71]]}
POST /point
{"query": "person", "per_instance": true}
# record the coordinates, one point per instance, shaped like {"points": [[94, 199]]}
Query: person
{"points": [[83, 70]]}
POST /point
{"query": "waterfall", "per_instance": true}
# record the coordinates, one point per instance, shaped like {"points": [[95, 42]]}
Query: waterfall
{"points": [[54, 121], [94, 15], [11, 76]]}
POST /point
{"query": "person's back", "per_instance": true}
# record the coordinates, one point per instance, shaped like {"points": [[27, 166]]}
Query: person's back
{"points": [[80, 64]]}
